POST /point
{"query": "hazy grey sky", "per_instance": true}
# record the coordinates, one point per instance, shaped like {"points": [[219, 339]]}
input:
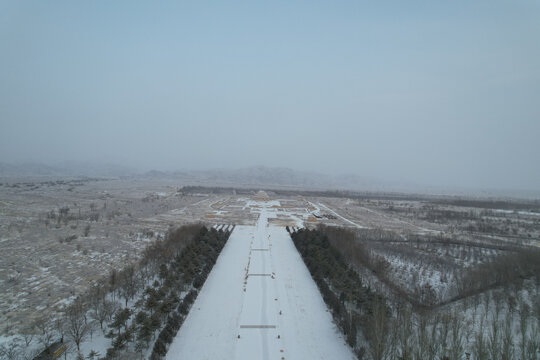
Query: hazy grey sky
{"points": [[435, 92]]}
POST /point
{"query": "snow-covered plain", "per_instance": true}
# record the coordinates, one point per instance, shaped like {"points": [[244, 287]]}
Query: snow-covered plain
{"points": [[259, 302]]}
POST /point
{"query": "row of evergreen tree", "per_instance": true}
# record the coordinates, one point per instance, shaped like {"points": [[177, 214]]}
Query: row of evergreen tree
{"points": [[354, 306], [181, 269], [506, 326]]}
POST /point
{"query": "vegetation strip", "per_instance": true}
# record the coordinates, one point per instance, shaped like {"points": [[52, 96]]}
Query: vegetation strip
{"points": [[501, 322], [354, 306], [142, 307]]}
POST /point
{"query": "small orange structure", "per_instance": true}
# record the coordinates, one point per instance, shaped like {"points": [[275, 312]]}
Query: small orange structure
{"points": [[53, 351]]}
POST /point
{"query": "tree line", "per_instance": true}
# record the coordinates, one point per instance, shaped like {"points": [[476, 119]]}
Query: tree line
{"points": [[354, 307], [497, 315], [180, 270], [139, 308]]}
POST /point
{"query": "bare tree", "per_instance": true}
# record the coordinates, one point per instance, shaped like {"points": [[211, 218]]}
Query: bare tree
{"points": [[10, 350], [97, 311], [486, 297], [404, 332], [109, 308], [498, 299], [480, 348], [377, 334], [86, 230], [128, 283], [507, 346], [456, 345], [533, 343], [113, 282], [494, 338], [445, 320], [434, 345], [28, 336], [523, 327], [536, 308], [422, 338], [46, 331], [77, 327], [96, 297]]}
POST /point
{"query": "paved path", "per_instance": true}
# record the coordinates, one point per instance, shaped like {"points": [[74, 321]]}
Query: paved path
{"points": [[261, 291]]}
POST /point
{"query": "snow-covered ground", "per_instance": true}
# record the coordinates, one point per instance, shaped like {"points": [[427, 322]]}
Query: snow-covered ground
{"points": [[336, 214], [259, 302]]}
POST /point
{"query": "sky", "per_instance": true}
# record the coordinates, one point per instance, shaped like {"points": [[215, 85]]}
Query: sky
{"points": [[432, 92]]}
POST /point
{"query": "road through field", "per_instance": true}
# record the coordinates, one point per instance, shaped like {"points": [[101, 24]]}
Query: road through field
{"points": [[259, 302]]}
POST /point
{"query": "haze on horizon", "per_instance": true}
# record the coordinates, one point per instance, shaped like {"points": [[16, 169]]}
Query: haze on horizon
{"points": [[438, 93]]}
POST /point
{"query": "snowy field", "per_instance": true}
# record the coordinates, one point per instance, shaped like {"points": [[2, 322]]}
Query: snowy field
{"points": [[259, 302]]}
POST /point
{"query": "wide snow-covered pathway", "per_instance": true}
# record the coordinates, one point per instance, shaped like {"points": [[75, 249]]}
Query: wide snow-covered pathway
{"points": [[280, 299]]}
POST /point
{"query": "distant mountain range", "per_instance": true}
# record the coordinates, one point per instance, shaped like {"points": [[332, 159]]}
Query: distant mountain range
{"points": [[256, 176], [251, 176], [64, 169], [283, 177]]}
